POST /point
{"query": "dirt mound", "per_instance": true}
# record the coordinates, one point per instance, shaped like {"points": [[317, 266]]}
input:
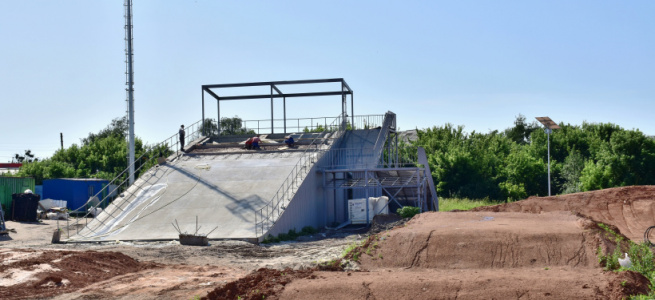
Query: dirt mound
{"points": [[261, 284], [521, 283], [464, 255], [34, 274], [465, 240], [386, 222], [631, 209]]}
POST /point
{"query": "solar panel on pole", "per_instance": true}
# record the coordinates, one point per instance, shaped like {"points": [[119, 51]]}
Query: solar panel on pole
{"points": [[550, 125]]}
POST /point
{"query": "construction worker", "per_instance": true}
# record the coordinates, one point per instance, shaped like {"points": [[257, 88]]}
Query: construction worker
{"points": [[289, 141], [248, 144], [255, 142], [181, 134]]}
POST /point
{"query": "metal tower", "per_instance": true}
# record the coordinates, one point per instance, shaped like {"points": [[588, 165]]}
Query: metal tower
{"points": [[130, 85]]}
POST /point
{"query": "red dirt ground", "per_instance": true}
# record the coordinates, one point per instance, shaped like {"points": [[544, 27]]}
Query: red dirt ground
{"points": [[539, 248], [59, 272], [631, 209]]}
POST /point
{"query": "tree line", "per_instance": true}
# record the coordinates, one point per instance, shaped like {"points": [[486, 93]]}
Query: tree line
{"points": [[104, 154], [511, 165], [99, 155], [498, 165]]}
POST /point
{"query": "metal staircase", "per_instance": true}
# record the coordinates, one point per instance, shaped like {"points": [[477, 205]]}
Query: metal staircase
{"points": [[266, 216]]}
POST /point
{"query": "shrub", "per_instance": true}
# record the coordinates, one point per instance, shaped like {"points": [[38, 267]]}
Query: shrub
{"points": [[308, 230], [408, 211]]}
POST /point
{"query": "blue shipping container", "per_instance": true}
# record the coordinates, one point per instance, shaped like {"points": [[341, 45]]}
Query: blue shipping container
{"points": [[76, 191]]}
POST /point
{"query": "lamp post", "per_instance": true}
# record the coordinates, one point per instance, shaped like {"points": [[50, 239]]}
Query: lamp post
{"points": [[550, 125]]}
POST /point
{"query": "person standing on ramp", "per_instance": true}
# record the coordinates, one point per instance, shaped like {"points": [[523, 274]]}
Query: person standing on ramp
{"points": [[181, 134]]}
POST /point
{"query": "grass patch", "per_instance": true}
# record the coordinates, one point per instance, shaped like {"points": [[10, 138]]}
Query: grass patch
{"points": [[348, 252], [368, 246], [291, 235], [449, 204]]}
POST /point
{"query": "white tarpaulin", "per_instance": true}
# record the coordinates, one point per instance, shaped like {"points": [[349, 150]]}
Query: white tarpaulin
{"points": [[357, 209], [50, 203]]}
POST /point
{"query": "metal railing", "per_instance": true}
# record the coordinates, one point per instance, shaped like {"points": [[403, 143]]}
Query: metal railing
{"points": [[363, 158], [266, 216], [311, 124], [388, 124], [121, 181]]}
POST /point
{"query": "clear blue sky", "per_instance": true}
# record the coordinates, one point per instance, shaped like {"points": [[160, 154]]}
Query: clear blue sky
{"points": [[472, 63]]}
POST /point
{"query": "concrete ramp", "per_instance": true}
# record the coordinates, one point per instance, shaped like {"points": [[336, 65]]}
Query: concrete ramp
{"points": [[223, 191]]}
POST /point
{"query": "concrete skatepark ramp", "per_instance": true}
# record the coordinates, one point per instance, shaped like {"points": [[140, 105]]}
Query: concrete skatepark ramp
{"points": [[220, 190], [246, 194], [233, 193]]}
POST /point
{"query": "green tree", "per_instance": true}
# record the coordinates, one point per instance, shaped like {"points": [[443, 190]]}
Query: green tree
{"points": [[118, 127], [628, 158], [234, 126], [571, 172], [521, 131], [102, 155], [209, 127], [28, 157], [318, 128], [511, 166], [524, 175]]}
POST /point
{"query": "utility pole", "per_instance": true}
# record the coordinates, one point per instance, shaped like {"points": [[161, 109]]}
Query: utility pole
{"points": [[130, 85], [61, 137]]}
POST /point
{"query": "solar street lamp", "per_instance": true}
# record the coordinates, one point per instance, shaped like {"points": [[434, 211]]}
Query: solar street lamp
{"points": [[550, 125]]}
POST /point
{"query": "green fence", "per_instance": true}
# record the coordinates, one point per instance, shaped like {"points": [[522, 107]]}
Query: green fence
{"points": [[13, 185]]}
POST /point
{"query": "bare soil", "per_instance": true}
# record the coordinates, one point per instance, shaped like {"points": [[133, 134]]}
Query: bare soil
{"points": [[631, 209], [538, 248]]}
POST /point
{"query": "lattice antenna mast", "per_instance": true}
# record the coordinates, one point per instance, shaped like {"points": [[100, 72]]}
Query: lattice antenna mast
{"points": [[129, 58]]}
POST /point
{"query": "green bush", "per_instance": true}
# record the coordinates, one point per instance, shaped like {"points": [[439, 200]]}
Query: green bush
{"points": [[290, 235], [512, 164], [408, 211], [641, 256], [284, 237], [308, 230]]}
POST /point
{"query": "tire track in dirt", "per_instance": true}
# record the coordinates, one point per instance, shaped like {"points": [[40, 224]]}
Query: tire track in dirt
{"points": [[417, 254]]}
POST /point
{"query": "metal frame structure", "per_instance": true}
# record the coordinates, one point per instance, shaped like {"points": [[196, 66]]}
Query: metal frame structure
{"points": [[410, 183], [277, 93], [392, 177]]}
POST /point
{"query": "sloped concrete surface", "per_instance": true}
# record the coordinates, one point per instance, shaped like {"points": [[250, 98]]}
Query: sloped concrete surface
{"points": [[222, 191]]}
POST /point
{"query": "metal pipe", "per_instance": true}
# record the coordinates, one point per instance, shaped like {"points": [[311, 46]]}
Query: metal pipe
{"points": [[130, 87], [272, 130], [548, 131], [352, 108], [202, 93], [367, 200], [218, 118]]}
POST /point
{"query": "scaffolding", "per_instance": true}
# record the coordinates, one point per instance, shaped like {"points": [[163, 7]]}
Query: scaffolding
{"points": [[379, 170], [276, 93]]}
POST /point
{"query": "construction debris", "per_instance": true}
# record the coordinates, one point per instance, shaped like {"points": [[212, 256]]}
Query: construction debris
{"points": [[194, 239]]}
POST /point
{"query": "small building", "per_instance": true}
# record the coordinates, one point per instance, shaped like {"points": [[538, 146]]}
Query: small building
{"points": [[10, 168], [76, 191], [13, 185]]}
